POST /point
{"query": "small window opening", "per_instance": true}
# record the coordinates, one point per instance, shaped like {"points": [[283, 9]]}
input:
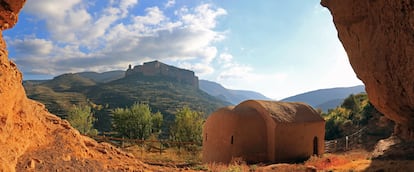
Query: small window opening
{"points": [[231, 141], [315, 146], [206, 136]]}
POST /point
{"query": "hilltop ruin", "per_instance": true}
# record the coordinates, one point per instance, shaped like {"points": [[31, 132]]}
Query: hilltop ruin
{"points": [[156, 68]]}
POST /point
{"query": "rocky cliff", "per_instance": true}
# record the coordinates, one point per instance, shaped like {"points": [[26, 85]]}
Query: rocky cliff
{"points": [[378, 36], [32, 139], [156, 68]]}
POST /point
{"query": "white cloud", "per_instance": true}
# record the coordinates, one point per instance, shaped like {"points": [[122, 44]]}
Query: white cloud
{"points": [[50, 8], [85, 38], [64, 19], [225, 58], [234, 75], [154, 16], [126, 4], [235, 72], [246, 78], [107, 39], [32, 46], [201, 69], [203, 18], [169, 3]]}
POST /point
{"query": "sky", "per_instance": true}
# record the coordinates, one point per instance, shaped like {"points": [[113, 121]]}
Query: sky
{"points": [[278, 48]]}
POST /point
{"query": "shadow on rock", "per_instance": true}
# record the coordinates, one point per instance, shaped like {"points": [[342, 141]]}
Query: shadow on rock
{"points": [[392, 154]]}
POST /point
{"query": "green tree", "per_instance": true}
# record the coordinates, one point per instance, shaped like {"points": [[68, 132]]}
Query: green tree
{"points": [[335, 122], [367, 112], [188, 126], [136, 122], [351, 103], [354, 112], [157, 120], [81, 118]]}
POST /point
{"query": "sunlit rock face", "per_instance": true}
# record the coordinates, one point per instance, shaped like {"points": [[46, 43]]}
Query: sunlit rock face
{"points": [[378, 36], [32, 139], [9, 10]]}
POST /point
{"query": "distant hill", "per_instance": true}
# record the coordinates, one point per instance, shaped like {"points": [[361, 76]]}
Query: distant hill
{"points": [[103, 77], [250, 94], [232, 96], [67, 82], [330, 104], [326, 98], [59, 93], [163, 93], [57, 102]]}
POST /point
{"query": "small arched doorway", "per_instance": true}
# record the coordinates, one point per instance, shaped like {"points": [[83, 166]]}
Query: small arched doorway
{"points": [[315, 146]]}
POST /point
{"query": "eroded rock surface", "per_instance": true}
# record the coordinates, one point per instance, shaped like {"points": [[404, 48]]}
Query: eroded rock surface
{"points": [[378, 36], [32, 139]]}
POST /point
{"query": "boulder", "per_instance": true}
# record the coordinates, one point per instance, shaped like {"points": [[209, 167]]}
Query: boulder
{"points": [[378, 36]]}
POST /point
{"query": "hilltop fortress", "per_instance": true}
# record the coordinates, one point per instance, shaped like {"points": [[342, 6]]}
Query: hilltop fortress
{"points": [[156, 68]]}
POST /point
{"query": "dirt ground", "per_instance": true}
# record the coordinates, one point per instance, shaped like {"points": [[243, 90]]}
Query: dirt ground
{"points": [[354, 160]]}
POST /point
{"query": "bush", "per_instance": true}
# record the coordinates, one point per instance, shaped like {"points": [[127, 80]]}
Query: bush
{"points": [[188, 126], [136, 122], [356, 110], [81, 118]]}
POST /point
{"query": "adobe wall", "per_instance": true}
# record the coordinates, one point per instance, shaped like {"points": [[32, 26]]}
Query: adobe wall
{"points": [[294, 141], [249, 132], [250, 137], [242, 135], [217, 130], [269, 122]]}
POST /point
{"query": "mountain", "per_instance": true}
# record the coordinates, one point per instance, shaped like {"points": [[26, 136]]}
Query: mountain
{"points": [[326, 98], [162, 91], [232, 96], [103, 77], [67, 82], [330, 104], [250, 94]]}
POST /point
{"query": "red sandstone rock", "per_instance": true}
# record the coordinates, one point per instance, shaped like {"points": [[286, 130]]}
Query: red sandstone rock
{"points": [[32, 139], [378, 36]]}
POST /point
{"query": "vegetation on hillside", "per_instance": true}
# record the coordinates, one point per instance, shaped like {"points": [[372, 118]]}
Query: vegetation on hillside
{"points": [[68, 82], [136, 122], [188, 126], [81, 118], [160, 94], [354, 113], [58, 103]]}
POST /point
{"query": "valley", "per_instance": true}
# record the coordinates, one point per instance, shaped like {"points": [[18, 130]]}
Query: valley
{"points": [[159, 117]]}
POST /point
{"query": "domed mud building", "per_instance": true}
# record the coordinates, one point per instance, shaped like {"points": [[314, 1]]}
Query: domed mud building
{"points": [[263, 131]]}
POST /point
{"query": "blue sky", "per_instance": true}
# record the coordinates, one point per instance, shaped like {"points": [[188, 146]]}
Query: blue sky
{"points": [[278, 48]]}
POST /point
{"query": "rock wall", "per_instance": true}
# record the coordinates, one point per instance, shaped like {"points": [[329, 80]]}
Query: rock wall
{"points": [[378, 36], [156, 68], [32, 139]]}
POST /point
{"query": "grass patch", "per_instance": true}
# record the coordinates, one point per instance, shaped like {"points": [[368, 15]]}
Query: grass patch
{"points": [[169, 157]]}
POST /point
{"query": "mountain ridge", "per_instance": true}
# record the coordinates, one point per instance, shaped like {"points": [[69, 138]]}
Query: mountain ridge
{"points": [[162, 93], [156, 71], [103, 77], [326, 98], [233, 96]]}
